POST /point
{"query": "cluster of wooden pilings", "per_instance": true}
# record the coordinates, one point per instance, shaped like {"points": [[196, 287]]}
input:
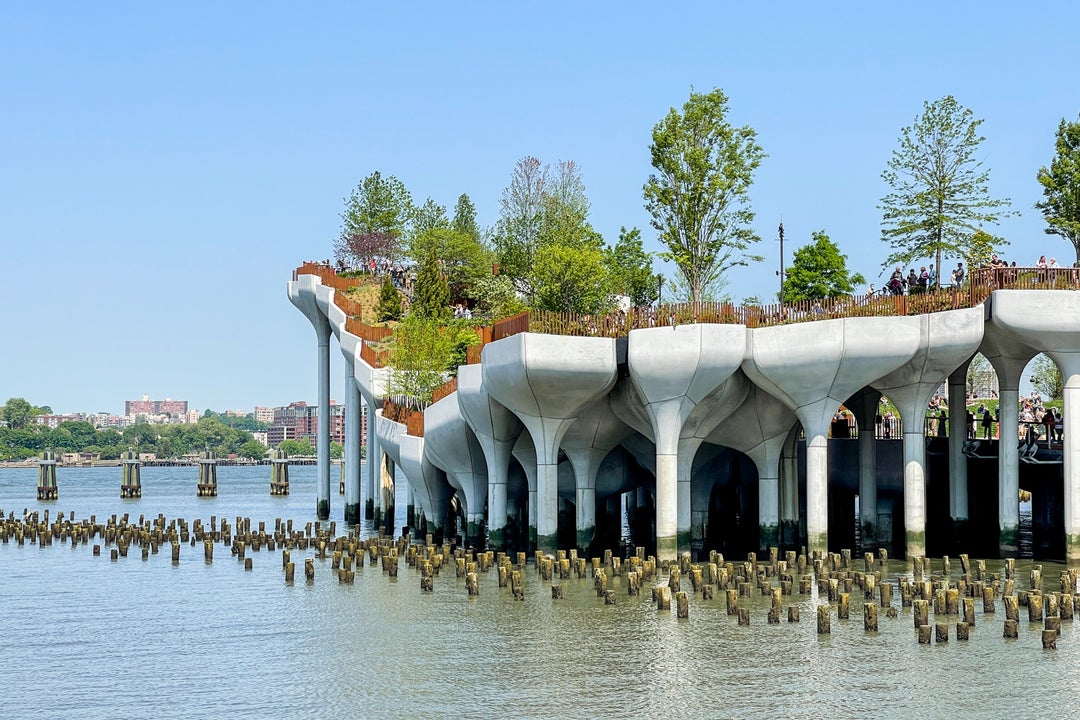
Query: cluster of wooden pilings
{"points": [[130, 479], [958, 603], [207, 486], [279, 472]]}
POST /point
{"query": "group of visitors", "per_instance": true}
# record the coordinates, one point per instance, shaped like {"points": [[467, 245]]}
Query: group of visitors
{"points": [[911, 284]]}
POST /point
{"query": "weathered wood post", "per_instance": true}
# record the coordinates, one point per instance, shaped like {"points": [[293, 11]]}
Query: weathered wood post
{"points": [[279, 472], [870, 617], [823, 620]]}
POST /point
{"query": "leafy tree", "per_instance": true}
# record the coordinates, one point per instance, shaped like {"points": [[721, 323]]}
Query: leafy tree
{"points": [[678, 290], [699, 195], [1046, 377], [980, 375], [571, 279], [375, 217], [389, 305], [460, 257], [17, 412], [465, 218], [630, 269], [422, 355], [431, 296], [939, 195], [494, 297], [1061, 186], [337, 451], [980, 249], [540, 207], [429, 216], [819, 270], [252, 449]]}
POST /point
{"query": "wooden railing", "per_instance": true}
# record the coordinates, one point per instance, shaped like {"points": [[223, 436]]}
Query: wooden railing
{"points": [[510, 326], [413, 420]]}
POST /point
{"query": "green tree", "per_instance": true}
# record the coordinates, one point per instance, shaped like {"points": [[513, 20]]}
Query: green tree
{"points": [[460, 257], [540, 207], [431, 296], [422, 355], [980, 249], [819, 270], [494, 297], [17, 412], [252, 449], [465, 218], [1046, 378], [337, 451], [1061, 186], [570, 278], [630, 269], [699, 195], [376, 215], [389, 305], [429, 216], [939, 189]]}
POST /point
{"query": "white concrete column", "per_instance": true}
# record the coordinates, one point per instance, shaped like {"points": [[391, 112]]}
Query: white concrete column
{"points": [[768, 511], [353, 509], [958, 481], [372, 462], [496, 514], [547, 507], [914, 489], [817, 490], [410, 504], [585, 515], [1008, 466], [323, 430], [1071, 458], [789, 494], [667, 506]]}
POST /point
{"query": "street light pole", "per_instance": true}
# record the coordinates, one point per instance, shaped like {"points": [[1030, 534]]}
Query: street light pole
{"points": [[780, 297]]}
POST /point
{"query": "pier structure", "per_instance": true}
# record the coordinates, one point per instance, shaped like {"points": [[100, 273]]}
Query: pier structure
{"points": [[130, 477], [720, 427], [47, 489]]}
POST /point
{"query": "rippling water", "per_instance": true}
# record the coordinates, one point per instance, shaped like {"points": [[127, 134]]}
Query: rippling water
{"points": [[86, 637]]}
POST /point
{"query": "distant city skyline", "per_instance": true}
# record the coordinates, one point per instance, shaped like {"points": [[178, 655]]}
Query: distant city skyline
{"points": [[167, 167]]}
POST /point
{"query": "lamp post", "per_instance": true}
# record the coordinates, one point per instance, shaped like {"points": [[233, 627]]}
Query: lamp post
{"points": [[780, 297]]}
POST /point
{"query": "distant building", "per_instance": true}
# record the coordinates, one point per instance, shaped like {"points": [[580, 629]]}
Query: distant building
{"points": [[299, 420], [53, 421], [261, 437], [235, 413], [150, 408], [264, 414], [193, 416]]}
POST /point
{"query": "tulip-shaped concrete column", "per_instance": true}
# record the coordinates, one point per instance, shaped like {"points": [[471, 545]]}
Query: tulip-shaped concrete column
{"points": [[958, 484], [813, 367], [947, 339], [589, 440], [1009, 357], [547, 381], [1050, 321], [497, 430], [304, 294], [451, 444], [353, 509], [759, 427], [864, 405], [428, 482], [674, 369]]}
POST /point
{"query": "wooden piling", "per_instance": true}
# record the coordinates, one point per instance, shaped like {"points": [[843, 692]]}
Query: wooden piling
{"points": [[920, 610], [556, 592], [663, 597], [1011, 629], [1035, 608], [290, 572], [744, 616], [1053, 622], [472, 584], [963, 631], [843, 608], [793, 613], [941, 632], [823, 620]]}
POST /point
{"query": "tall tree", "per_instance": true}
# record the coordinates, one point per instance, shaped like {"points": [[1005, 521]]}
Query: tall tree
{"points": [[17, 412], [465, 218], [819, 270], [375, 218], [569, 278], [1046, 378], [939, 189], [461, 258], [426, 218], [431, 296], [630, 269], [389, 305], [699, 195], [1061, 186]]}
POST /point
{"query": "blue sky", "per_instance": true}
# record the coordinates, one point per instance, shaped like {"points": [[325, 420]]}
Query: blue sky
{"points": [[163, 169]]}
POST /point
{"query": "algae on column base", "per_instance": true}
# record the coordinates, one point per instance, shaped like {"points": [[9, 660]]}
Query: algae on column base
{"points": [[352, 513], [1008, 541], [496, 538], [789, 533], [1072, 546], [322, 509], [768, 536], [915, 543], [369, 509]]}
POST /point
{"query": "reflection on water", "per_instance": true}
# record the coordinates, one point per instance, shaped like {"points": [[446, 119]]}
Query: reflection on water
{"points": [[88, 637]]}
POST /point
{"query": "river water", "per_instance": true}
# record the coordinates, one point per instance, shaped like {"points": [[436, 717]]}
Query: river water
{"points": [[87, 637]]}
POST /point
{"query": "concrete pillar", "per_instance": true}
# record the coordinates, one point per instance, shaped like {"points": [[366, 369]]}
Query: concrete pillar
{"points": [[410, 503], [1008, 466], [958, 481], [864, 405], [789, 493], [585, 515], [496, 520], [817, 489], [667, 500], [372, 457], [525, 454], [1070, 375], [547, 507], [353, 511], [914, 487], [323, 432]]}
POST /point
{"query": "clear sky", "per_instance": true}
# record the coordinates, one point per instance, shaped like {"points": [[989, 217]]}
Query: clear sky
{"points": [[163, 169]]}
